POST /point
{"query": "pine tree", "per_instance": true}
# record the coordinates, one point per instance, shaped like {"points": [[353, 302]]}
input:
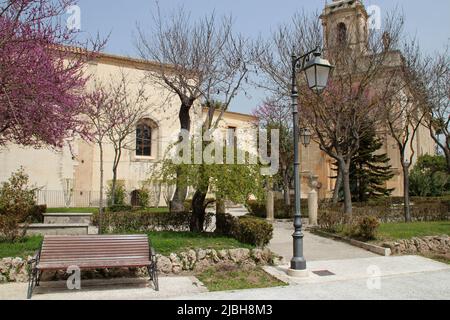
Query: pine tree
{"points": [[370, 170]]}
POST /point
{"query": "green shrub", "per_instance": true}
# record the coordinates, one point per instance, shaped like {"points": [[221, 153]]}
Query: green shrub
{"points": [[364, 228], [430, 177], [254, 231], [16, 201], [120, 194], [256, 208], [281, 211], [330, 220], [36, 214], [143, 198], [225, 224], [247, 229]]}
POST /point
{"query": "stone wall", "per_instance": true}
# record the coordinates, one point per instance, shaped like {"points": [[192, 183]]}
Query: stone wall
{"points": [[425, 245], [16, 269]]}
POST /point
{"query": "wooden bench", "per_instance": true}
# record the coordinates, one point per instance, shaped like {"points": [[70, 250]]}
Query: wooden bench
{"points": [[93, 252]]}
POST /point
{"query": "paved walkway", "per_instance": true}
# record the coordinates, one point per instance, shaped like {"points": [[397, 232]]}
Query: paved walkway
{"points": [[117, 289], [380, 278], [315, 248]]}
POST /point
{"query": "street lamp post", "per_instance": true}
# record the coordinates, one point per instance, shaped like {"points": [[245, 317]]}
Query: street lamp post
{"points": [[317, 71]]}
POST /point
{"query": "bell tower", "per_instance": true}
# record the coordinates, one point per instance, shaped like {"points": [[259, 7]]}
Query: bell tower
{"points": [[345, 22]]}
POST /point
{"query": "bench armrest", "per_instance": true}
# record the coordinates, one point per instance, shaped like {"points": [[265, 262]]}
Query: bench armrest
{"points": [[35, 257], [152, 252]]}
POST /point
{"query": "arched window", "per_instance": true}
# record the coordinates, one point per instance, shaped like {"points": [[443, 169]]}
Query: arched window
{"points": [[143, 140], [341, 33]]}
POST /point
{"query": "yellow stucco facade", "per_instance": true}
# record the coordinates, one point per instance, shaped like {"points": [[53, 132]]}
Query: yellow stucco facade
{"points": [[71, 176]]}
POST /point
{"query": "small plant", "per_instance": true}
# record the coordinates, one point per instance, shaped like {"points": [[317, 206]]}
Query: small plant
{"points": [[16, 202], [36, 214], [330, 220], [364, 228], [143, 198], [119, 194]]}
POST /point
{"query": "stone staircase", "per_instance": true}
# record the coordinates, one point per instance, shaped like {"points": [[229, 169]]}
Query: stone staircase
{"points": [[236, 210]]}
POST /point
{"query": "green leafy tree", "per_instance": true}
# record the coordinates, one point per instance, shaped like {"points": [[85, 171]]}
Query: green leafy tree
{"points": [[16, 201], [429, 177], [234, 182]]}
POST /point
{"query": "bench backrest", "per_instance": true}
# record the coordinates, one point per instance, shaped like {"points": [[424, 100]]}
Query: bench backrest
{"points": [[108, 247]]}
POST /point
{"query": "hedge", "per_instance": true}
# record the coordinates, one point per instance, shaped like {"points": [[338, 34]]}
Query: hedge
{"points": [[281, 211], [246, 229], [144, 221], [390, 210]]}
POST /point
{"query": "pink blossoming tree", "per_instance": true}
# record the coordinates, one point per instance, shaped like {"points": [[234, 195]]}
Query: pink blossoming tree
{"points": [[41, 76]]}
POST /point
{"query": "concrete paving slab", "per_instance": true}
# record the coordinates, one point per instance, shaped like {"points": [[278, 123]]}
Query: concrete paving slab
{"points": [[114, 289], [364, 268], [418, 286]]}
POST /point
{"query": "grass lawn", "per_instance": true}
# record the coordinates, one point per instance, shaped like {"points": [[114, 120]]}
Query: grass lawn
{"points": [[166, 243], [398, 231], [233, 278], [22, 248]]}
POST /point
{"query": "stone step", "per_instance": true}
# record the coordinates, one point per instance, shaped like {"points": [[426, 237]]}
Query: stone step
{"points": [[74, 229], [67, 218]]}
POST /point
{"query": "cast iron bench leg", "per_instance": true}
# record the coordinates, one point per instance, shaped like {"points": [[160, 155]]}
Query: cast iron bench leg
{"points": [[32, 280], [153, 270]]}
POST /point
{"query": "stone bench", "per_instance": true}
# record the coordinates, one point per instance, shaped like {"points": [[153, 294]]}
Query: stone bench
{"points": [[67, 218]]}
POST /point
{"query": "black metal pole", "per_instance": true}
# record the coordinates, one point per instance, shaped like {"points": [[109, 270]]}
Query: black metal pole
{"points": [[298, 261]]}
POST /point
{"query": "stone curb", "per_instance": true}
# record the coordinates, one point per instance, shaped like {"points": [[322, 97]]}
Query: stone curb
{"points": [[385, 252]]}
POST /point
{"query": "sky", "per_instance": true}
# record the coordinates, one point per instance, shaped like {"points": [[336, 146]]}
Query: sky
{"points": [[118, 19]]}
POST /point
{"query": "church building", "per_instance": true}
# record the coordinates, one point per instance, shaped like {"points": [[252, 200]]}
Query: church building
{"points": [[348, 20]]}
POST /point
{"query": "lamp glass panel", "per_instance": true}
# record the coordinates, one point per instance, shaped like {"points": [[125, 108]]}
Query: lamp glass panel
{"points": [[323, 73], [311, 76]]}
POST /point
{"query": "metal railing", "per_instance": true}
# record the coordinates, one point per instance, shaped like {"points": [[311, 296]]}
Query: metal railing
{"points": [[74, 198]]}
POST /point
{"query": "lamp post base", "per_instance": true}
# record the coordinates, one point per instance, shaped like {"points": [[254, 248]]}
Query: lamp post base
{"points": [[298, 273]]}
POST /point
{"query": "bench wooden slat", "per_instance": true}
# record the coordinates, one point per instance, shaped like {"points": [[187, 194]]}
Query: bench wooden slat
{"points": [[94, 238], [105, 251], [93, 252], [98, 264]]}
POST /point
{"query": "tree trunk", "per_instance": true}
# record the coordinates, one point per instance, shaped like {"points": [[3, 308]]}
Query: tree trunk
{"points": [[337, 188], [287, 190], [406, 193], [198, 212], [447, 156], [117, 157], [177, 204], [100, 208], [347, 191], [220, 206], [114, 186]]}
